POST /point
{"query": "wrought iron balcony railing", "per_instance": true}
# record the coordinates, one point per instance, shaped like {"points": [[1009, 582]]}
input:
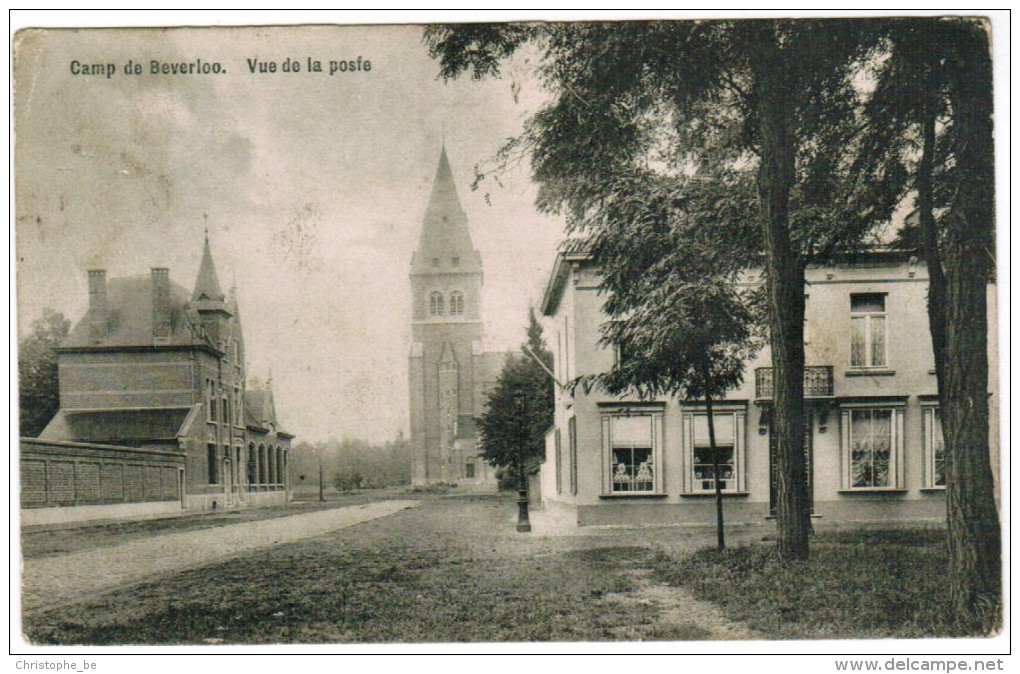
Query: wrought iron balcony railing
{"points": [[817, 382]]}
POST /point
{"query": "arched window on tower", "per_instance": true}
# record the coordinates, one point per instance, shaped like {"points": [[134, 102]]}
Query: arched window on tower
{"points": [[436, 303], [456, 303]]}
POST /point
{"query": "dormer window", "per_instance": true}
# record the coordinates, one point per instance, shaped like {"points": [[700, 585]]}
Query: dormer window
{"points": [[456, 303], [436, 303]]}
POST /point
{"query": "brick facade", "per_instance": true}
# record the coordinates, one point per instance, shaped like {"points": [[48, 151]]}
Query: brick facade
{"points": [[77, 474], [449, 374], [155, 368]]}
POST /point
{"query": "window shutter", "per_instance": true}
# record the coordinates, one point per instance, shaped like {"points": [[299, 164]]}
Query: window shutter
{"points": [[657, 451]]}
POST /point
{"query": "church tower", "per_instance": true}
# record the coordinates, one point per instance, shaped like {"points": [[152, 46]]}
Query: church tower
{"points": [[446, 329]]}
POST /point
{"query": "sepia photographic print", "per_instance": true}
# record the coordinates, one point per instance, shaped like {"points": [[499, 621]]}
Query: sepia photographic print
{"points": [[545, 334]]}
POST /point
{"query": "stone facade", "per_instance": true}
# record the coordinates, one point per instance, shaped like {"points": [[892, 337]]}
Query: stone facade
{"points": [[873, 436]]}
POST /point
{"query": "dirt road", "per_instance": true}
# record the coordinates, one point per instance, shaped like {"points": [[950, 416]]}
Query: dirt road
{"points": [[57, 580], [452, 570]]}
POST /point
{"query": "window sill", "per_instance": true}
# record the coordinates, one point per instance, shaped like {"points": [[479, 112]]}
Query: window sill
{"points": [[635, 495], [874, 490], [870, 373], [711, 494], [932, 490]]}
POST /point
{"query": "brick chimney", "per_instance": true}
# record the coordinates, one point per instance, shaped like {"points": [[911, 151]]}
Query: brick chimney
{"points": [[160, 304], [99, 308]]}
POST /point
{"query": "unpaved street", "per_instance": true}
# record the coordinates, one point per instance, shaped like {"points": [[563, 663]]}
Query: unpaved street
{"points": [[56, 580], [451, 570]]}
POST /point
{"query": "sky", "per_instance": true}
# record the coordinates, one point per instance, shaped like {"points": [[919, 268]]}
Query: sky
{"points": [[313, 188]]}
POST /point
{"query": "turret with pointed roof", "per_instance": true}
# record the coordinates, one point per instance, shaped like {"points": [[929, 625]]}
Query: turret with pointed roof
{"points": [[209, 301], [207, 285], [156, 366]]}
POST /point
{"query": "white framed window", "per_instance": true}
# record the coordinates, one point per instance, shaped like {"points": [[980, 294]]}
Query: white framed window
{"points": [[934, 448], [868, 330], [631, 450], [872, 444], [699, 461], [436, 303]]}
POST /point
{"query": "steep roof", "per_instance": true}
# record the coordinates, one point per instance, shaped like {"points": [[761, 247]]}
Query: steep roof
{"points": [[207, 285], [260, 410], [444, 233], [129, 316]]}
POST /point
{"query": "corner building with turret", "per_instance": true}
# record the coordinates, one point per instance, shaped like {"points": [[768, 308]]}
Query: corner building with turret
{"points": [[157, 413], [449, 373]]}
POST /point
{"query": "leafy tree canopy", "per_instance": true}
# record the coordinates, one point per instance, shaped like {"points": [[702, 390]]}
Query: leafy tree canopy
{"points": [[38, 385], [520, 408], [639, 109]]}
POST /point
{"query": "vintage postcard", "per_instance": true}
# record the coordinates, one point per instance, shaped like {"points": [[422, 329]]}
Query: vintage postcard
{"points": [[625, 335]]}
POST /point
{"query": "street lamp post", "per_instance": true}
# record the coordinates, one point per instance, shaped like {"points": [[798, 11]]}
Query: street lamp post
{"points": [[523, 520]]}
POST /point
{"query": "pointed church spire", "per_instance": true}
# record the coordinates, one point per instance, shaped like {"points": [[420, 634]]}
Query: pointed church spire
{"points": [[445, 240], [207, 286]]}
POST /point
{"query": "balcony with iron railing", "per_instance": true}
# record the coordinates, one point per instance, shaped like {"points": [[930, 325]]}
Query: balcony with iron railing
{"points": [[817, 382]]}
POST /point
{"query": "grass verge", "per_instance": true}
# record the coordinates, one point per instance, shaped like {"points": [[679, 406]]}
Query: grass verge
{"points": [[856, 584], [449, 571]]}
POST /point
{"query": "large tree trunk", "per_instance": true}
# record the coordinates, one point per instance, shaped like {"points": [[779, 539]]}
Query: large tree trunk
{"points": [[975, 543], [720, 533], [784, 268], [929, 233]]}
